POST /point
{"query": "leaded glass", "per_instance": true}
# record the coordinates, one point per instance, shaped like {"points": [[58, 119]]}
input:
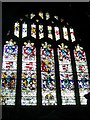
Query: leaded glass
{"points": [[50, 32], [48, 75], [24, 30], [82, 73], [65, 33], [33, 30], [72, 34], [9, 73], [16, 29], [41, 14], [57, 34], [41, 32], [47, 16], [29, 80], [66, 75]]}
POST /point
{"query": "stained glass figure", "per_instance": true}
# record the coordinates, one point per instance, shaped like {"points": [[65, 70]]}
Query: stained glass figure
{"points": [[41, 32], [65, 33], [66, 75], [33, 30], [24, 30], [16, 29], [57, 34], [29, 81], [47, 16], [82, 73], [9, 73], [41, 14], [50, 32], [48, 75], [72, 34]]}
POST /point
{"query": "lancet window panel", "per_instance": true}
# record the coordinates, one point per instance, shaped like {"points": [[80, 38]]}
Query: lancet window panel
{"points": [[82, 73], [66, 75], [9, 73], [48, 75], [29, 79]]}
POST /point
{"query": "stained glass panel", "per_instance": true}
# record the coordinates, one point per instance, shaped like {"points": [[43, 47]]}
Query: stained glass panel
{"points": [[72, 34], [24, 30], [29, 80], [66, 75], [50, 32], [48, 75], [65, 33], [82, 73], [16, 29], [57, 34], [9, 73], [41, 32], [33, 30]]}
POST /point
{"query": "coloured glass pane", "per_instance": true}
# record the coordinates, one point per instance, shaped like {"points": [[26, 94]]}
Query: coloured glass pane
{"points": [[41, 14], [47, 16], [41, 33], [16, 29], [50, 32], [24, 30], [33, 30], [72, 34], [57, 34], [65, 33]]}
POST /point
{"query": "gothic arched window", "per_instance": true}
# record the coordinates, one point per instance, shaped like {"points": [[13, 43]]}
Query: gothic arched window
{"points": [[43, 63]]}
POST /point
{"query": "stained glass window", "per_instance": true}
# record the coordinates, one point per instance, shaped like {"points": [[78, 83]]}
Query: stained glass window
{"points": [[9, 73], [82, 73], [66, 75], [48, 75], [57, 34], [29, 80], [24, 30], [72, 34], [41, 33], [65, 33], [50, 32], [47, 59], [16, 29], [33, 30]]}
